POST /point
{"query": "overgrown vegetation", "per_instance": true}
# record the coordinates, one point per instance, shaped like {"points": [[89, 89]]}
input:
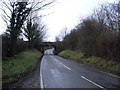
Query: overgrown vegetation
{"points": [[20, 46], [20, 65], [18, 12], [106, 65], [98, 34], [35, 31], [22, 20]]}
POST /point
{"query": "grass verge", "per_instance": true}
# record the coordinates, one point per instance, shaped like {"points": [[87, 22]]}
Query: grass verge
{"points": [[106, 65], [18, 66]]}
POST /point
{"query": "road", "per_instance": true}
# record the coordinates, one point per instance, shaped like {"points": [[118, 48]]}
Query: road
{"points": [[57, 72]]}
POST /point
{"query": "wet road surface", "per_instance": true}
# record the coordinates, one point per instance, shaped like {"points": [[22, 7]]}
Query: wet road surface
{"points": [[57, 72]]}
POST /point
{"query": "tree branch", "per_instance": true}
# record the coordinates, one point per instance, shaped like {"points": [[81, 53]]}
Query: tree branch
{"points": [[5, 12], [34, 10], [6, 5]]}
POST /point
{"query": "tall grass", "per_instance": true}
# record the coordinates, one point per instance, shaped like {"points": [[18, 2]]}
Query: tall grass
{"points": [[107, 65], [16, 67]]}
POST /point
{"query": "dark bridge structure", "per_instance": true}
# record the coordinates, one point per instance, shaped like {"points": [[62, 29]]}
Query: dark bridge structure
{"points": [[49, 44]]}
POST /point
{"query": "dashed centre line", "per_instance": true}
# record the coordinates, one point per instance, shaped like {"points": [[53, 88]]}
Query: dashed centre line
{"points": [[62, 64], [81, 76], [65, 66], [93, 83]]}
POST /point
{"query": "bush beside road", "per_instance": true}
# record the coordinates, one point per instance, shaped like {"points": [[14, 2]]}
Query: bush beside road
{"points": [[103, 64], [19, 66]]}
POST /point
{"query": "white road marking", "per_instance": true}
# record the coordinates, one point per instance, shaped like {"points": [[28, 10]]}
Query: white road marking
{"points": [[65, 66], [93, 83], [41, 80], [110, 74], [62, 64]]}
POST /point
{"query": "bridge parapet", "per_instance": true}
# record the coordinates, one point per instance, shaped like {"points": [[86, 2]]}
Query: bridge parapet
{"points": [[48, 44]]}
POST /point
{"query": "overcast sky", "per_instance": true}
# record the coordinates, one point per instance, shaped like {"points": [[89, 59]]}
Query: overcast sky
{"points": [[65, 14]]}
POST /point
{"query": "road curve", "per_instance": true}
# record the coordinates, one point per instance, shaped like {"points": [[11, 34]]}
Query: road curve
{"points": [[57, 72]]}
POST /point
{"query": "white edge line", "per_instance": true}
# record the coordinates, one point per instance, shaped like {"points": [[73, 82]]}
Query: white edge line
{"points": [[41, 80], [106, 73], [99, 71], [110, 74], [93, 83]]}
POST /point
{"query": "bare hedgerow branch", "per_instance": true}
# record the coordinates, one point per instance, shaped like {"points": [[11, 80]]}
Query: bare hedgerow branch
{"points": [[7, 5], [5, 12], [39, 6], [6, 20]]}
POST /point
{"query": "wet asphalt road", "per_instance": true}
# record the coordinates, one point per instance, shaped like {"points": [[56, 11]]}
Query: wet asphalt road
{"points": [[57, 72]]}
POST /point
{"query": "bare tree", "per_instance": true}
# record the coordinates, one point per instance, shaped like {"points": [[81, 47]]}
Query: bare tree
{"points": [[108, 14], [57, 39], [98, 34], [34, 31], [62, 34], [19, 12], [15, 13]]}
